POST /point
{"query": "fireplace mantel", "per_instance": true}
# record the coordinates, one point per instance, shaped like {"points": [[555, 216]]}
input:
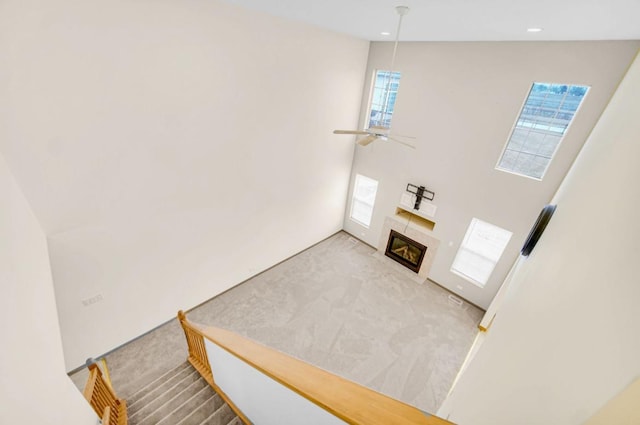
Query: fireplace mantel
{"points": [[415, 220]]}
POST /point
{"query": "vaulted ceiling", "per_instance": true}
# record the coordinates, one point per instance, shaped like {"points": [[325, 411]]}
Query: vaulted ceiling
{"points": [[465, 20]]}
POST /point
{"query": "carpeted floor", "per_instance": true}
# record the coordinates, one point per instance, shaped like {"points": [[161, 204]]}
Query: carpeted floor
{"points": [[339, 306]]}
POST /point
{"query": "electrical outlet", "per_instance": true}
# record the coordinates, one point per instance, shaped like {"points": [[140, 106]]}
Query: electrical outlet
{"points": [[95, 299]]}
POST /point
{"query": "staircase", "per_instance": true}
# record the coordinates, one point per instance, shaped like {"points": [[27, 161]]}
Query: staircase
{"points": [[185, 395], [179, 397]]}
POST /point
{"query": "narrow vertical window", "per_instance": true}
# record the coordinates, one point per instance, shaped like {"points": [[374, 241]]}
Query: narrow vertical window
{"points": [[480, 251], [383, 98], [541, 125], [364, 197]]}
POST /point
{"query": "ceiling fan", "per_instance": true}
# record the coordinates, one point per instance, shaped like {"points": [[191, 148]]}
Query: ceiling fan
{"points": [[374, 133]]}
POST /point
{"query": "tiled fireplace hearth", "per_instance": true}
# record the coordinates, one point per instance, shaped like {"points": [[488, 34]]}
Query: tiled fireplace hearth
{"points": [[415, 247]]}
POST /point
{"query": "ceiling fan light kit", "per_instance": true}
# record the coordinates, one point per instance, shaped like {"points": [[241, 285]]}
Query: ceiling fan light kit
{"points": [[374, 133]]}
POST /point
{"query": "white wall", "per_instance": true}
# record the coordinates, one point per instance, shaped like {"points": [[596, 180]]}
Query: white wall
{"points": [[565, 340], [461, 100], [35, 388], [171, 149], [262, 399]]}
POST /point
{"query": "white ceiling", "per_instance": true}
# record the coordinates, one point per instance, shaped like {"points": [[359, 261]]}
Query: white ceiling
{"points": [[465, 20]]}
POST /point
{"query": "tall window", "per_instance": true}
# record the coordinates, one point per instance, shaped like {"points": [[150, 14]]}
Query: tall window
{"points": [[364, 197], [480, 251], [383, 98], [543, 121]]}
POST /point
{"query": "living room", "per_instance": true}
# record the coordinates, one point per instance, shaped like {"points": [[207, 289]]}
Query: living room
{"points": [[156, 143]]}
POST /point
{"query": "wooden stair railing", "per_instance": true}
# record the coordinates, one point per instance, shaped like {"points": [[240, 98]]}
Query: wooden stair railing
{"points": [[200, 361], [103, 400], [106, 418], [197, 352], [345, 399]]}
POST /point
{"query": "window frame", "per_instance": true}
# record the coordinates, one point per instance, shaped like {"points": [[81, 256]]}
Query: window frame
{"points": [[355, 199], [385, 91], [514, 127], [463, 248]]}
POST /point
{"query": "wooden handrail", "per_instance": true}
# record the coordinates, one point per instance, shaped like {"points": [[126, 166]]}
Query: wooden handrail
{"points": [[200, 361], [347, 400], [103, 399], [105, 372]]}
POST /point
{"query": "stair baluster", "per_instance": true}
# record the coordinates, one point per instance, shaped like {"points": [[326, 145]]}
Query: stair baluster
{"points": [[103, 399], [197, 352]]}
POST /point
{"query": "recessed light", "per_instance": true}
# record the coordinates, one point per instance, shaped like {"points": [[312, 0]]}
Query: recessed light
{"points": [[534, 29], [385, 33]]}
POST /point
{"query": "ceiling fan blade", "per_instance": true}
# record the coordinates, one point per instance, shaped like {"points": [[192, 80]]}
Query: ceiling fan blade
{"points": [[350, 132], [366, 140], [403, 136], [379, 130], [393, 139], [387, 130]]}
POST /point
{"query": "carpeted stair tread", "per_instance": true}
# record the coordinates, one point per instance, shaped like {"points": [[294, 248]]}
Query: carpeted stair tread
{"points": [[203, 411], [222, 416], [180, 397], [173, 401], [186, 408], [236, 421], [152, 385], [157, 397]]}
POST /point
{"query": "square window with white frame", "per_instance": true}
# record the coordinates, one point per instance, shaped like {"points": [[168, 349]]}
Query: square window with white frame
{"points": [[544, 119], [363, 200], [481, 248]]}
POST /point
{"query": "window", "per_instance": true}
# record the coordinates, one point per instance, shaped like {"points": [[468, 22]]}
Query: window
{"points": [[543, 121], [364, 196], [480, 251], [383, 98]]}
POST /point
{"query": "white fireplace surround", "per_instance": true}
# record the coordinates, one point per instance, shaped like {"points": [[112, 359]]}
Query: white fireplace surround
{"points": [[403, 225]]}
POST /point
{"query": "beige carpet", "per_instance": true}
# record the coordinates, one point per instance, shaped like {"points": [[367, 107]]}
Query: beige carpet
{"points": [[337, 306]]}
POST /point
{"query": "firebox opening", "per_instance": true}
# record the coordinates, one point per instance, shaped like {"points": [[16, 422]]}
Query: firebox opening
{"points": [[405, 251]]}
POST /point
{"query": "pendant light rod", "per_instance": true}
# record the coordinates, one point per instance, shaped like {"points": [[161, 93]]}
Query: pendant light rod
{"points": [[401, 10]]}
